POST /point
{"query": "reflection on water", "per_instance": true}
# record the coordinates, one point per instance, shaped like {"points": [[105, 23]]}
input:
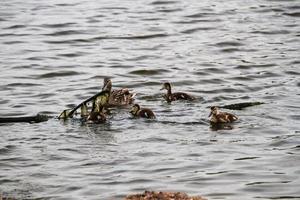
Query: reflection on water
{"points": [[221, 126], [55, 54]]}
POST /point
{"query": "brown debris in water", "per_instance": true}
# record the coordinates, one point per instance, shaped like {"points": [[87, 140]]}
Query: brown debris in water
{"points": [[6, 198], [151, 195]]}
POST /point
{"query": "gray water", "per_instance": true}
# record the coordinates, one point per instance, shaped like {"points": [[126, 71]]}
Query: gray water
{"points": [[54, 54]]}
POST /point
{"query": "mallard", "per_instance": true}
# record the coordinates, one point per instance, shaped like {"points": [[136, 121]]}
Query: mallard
{"points": [[119, 97], [137, 111], [169, 97], [221, 117]]}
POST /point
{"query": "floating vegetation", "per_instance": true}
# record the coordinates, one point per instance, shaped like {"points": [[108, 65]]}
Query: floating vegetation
{"points": [[99, 101]]}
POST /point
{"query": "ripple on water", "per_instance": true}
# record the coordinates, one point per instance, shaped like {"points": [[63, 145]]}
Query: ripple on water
{"points": [[232, 50], [23, 84], [94, 39], [264, 74], [132, 37], [149, 72], [292, 14], [273, 32], [64, 33], [160, 2], [250, 66], [138, 58], [71, 55], [17, 26], [229, 43], [193, 30], [241, 78], [289, 72], [199, 15], [214, 70], [60, 74], [213, 81], [58, 25], [7, 149]]}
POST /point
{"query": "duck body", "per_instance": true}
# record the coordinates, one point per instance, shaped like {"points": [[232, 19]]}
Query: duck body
{"points": [[98, 112], [221, 117], [121, 97], [177, 96], [169, 97], [137, 111], [96, 117]]}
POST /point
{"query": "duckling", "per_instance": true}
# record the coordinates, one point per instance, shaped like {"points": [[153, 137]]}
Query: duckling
{"points": [[97, 116], [221, 117], [142, 112], [119, 97], [169, 97]]}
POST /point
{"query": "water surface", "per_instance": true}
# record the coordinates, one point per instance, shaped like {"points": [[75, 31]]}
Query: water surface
{"points": [[54, 54]]}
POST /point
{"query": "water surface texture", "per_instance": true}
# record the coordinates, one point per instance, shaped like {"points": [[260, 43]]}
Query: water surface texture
{"points": [[55, 53]]}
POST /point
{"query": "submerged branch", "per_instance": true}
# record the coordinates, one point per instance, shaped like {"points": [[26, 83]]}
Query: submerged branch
{"points": [[30, 119], [86, 101], [100, 97]]}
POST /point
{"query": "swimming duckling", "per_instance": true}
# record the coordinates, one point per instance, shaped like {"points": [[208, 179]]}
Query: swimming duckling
{"points": [[169, 97], [119, 97], [221, 117], [142, 112], [97, 115]]}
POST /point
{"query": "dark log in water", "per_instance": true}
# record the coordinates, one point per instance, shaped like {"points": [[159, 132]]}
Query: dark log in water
{"points": [[30, 119], [240, 106]]}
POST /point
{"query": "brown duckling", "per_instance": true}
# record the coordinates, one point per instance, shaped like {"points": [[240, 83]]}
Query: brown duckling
{"points": [[137, 111], [221, 117], [97, 115], [119, 97], [169, 97]]}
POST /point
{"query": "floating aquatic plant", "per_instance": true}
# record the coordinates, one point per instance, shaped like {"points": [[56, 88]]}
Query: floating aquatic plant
{"points": [[98, 101]]}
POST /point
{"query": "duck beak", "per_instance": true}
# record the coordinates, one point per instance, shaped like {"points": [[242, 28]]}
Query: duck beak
{"points": [[162, 88], [210, 114]]}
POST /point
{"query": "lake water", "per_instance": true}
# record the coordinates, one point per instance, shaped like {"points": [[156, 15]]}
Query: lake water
{"points": [[54, 54]]}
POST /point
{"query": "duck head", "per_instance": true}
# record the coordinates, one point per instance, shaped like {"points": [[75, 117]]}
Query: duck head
{"points": [[166, 86], [107, 85], [214, 110], [135, 109]]}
